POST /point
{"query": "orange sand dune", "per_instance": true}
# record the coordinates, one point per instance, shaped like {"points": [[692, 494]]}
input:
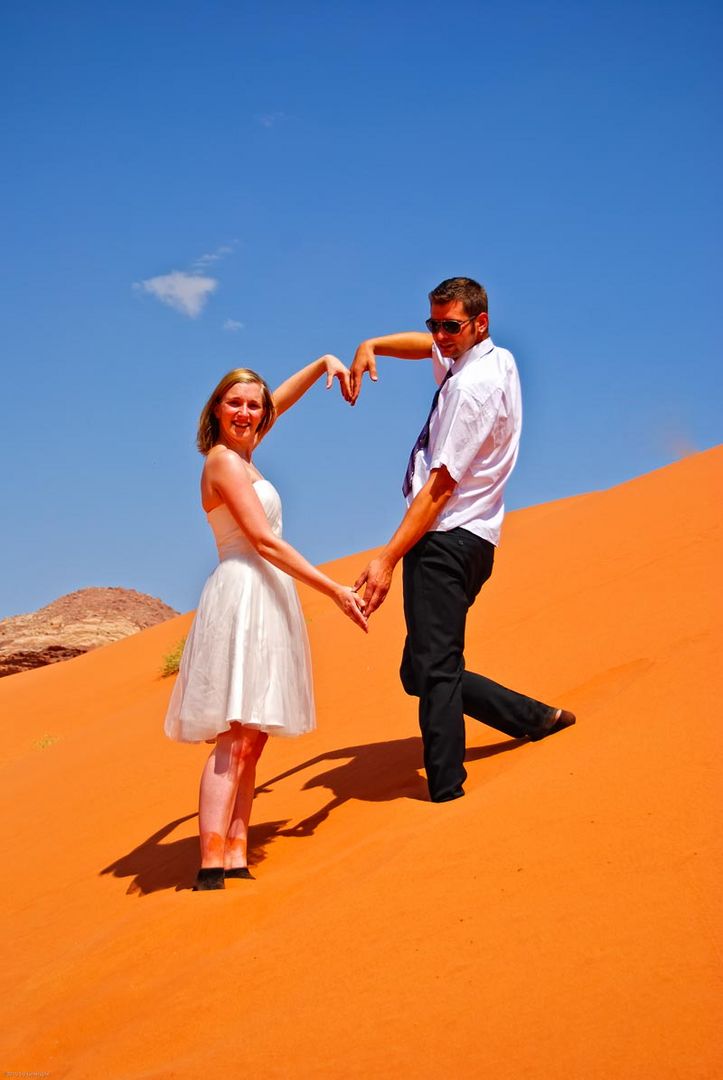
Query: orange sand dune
{"points": [[559, 921]]}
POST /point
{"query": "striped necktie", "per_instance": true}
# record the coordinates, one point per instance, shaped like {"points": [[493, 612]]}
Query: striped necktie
{"points": [[422, 439]]}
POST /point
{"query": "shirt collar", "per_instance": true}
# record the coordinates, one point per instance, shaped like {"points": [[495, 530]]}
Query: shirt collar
{"points": [[482, 348]]}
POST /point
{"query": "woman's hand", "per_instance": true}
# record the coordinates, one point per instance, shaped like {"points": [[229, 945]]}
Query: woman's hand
{"points": [[294, 388], [336, 370], [352, 605]]}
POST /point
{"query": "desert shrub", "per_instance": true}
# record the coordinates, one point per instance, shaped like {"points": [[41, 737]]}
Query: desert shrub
{"points": [[45, 741], [172, 660]]}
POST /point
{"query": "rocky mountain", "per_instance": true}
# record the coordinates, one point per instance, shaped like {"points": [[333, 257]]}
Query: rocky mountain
{"points": [[75, 623]]}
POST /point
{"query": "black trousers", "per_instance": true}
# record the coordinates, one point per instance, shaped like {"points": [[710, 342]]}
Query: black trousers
{"points": [[442, 574]]}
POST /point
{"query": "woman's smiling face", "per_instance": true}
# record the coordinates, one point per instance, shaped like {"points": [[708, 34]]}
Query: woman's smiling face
{"points": [[239, 413]]}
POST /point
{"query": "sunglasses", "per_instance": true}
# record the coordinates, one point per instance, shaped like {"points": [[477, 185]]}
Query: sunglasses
{"points": [[450, 326]]}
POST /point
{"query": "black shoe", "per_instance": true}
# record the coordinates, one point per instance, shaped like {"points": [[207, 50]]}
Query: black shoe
{"points": [[239, 872], [209, 877], [447, 798], [558, 720]]}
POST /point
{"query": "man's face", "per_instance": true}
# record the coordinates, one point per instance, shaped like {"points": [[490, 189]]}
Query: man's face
{"points": [[473, 330]]}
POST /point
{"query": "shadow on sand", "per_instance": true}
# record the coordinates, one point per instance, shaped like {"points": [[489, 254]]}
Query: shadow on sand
{"points": [[155, 865], [372, 772]]}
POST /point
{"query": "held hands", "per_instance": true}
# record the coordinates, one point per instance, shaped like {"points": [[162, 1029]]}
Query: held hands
{"points": [[378, 578], [336, 370], [352, 605], [364, 361]]}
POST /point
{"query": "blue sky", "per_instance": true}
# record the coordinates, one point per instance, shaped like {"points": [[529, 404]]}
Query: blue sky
{"points": [[323, 166]]}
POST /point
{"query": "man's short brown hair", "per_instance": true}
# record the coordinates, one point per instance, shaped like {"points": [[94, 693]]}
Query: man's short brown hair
{"points": [[471, 293]]}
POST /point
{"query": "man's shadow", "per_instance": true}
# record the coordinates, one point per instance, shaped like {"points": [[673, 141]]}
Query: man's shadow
{"points": [[371, 772], [374, 772]]}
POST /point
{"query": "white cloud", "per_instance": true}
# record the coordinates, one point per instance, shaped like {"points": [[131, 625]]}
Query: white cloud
{"points": [[187, 293], [233, 325], [214, 256], [268, 120]]}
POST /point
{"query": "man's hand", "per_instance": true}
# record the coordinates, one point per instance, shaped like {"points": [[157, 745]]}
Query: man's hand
{"points": [[377, 578], [426, 507], [409, 345], [364, 360]]}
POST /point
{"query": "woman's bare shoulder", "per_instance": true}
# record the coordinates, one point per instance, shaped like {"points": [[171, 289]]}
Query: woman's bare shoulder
{"points": [[220, 459], [223, 471]]}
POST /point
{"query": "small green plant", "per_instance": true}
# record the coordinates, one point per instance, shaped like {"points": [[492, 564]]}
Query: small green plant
{"points": [[172, 660], [45, 741]]}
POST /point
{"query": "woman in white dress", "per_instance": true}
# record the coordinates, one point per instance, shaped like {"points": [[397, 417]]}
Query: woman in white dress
{"points": [[245, 671]]}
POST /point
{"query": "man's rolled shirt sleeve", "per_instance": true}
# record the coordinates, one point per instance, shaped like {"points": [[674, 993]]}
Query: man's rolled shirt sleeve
{"points": [[464, 425]]}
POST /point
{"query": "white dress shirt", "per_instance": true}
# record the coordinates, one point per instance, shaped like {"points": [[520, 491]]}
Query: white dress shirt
{"points": [[475, 433]]}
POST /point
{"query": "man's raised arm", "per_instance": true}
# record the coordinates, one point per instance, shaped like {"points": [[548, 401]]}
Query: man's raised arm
{"points": [[409, 345]]}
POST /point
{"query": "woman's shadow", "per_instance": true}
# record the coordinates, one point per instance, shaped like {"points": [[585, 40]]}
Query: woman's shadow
{"points": [[159, 864], [372, 772]]}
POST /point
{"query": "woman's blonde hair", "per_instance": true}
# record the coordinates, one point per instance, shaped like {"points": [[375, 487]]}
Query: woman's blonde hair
{"points": [[208, 430]]}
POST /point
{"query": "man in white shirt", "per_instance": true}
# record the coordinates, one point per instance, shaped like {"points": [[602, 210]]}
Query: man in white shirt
{"points": [[454, 487]]}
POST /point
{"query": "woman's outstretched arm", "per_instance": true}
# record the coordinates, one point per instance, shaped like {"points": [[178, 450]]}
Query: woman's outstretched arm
{"points": [[296, 385], [230, 479]]}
